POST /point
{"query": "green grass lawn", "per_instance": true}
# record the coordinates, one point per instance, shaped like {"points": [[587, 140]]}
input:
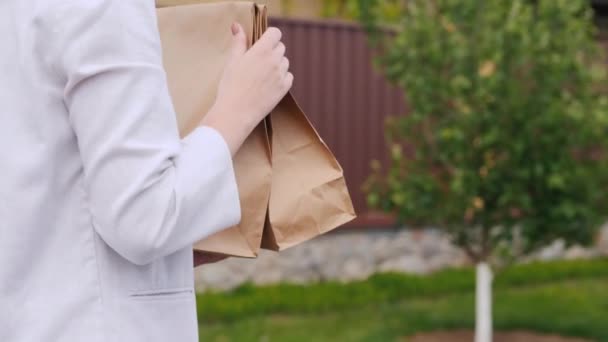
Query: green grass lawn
{"points": [[568, 298]]}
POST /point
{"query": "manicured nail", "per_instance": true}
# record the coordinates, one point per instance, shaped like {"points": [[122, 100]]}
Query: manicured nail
{"points": [[235, 28]]}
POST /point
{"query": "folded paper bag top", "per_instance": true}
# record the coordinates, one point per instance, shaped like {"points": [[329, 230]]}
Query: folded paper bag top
{"points": [[291, 190]]}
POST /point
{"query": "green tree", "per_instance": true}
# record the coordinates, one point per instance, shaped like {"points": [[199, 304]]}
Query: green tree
{"points": [[504, 146], [389, 10]]}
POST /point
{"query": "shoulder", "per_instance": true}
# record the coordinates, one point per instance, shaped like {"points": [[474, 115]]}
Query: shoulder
{"points": [[74, 32], [115, 19], [59, 11]]}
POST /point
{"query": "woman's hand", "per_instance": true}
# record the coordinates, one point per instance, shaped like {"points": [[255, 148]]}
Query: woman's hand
{"points": [[202, 258], [253, 83]]}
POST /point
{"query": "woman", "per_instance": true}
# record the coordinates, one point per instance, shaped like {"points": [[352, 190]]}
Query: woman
{"points": [[100, 200]]}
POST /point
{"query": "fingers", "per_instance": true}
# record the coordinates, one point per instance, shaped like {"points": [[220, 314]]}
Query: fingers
{"points": [[270, 39], [270, 46], [281, 62], [284, 66], [236, 28], [288, 81], [279, 50], [239, 43]]}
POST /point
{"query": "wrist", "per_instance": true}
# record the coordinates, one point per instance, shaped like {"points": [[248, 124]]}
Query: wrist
{"points": [[233, 129]]}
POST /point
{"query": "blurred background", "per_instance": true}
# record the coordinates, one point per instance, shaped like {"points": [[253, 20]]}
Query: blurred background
{"points": [[472, 136]]}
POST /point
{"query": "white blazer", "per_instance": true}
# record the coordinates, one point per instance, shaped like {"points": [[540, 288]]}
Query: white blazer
{"points": [[100, 200]]}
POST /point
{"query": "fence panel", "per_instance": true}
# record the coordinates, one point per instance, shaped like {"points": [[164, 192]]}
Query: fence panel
{"points": [[344, 96]]}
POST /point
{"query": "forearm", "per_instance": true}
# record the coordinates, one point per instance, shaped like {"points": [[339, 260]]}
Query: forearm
{"points": [[233, 131]]}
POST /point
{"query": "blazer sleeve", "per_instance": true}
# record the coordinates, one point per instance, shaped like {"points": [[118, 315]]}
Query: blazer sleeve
{"points": [[150, 194]]}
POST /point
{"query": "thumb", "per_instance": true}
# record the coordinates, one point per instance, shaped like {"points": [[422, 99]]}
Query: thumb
{"points": [[239, 40]]}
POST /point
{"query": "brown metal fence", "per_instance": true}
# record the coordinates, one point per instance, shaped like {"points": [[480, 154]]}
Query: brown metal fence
{"points": [[343, 95]]}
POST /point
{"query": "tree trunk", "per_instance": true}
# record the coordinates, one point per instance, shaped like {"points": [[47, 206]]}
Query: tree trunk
{"points": [[483, 298]]}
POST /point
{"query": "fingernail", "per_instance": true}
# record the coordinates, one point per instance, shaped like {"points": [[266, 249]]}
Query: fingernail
{"points": [[235, 28]]}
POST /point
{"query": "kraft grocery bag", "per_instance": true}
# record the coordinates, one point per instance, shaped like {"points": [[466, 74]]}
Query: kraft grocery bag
{"points": [[196, 40], [291, 186]]}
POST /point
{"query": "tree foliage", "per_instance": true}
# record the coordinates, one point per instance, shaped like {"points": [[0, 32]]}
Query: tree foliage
{"points": [[387, 10], [507, 134]]}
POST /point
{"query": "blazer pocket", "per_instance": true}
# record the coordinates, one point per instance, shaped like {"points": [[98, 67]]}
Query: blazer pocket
{"points": [[154, 316], [163, 294]]}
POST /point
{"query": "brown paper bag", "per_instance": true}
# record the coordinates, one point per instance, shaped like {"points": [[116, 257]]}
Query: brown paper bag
{"points": [[309, 196], [297, 185], [196, 40]]}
